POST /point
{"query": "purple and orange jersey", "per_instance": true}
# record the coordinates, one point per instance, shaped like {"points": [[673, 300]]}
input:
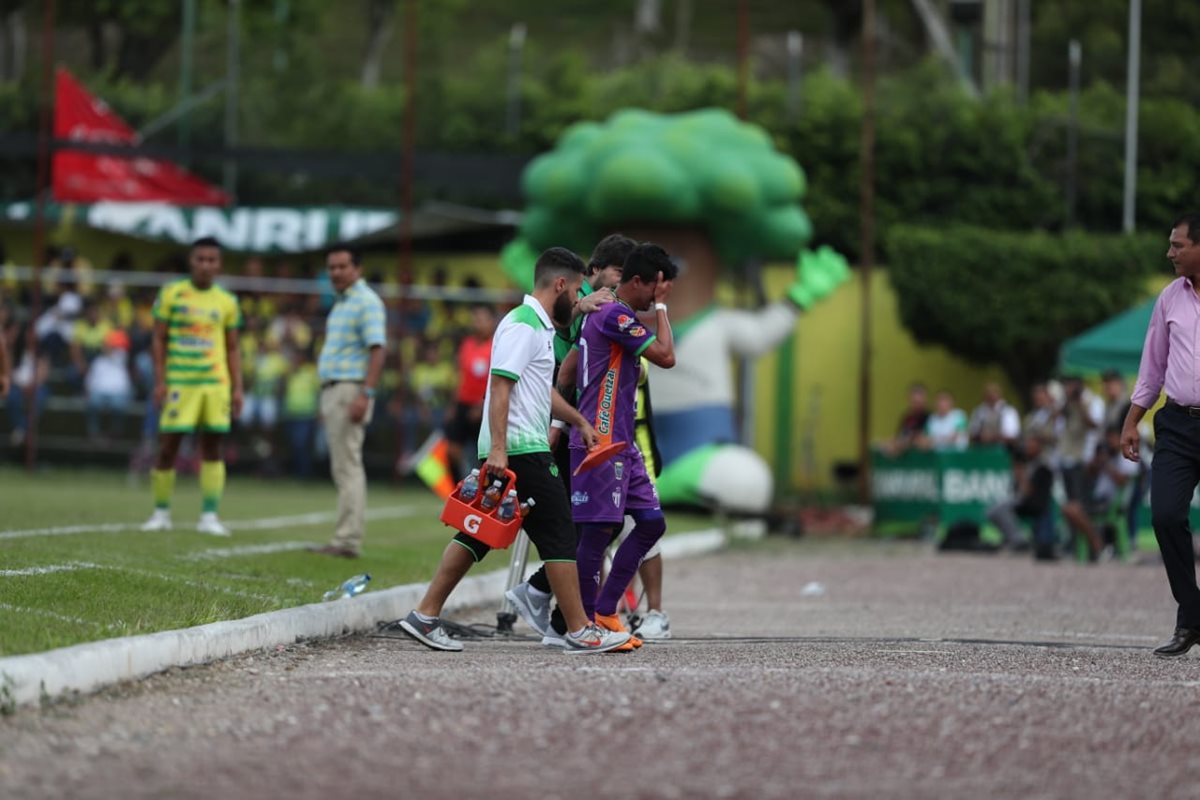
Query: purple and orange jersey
{"points": [[610, 346]]}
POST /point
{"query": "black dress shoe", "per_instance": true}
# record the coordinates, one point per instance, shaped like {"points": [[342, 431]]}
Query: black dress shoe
{"points": [[1180, 643]]}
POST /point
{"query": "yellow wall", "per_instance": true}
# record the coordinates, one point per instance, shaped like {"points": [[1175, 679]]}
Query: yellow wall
{"points": [[824, 390]]}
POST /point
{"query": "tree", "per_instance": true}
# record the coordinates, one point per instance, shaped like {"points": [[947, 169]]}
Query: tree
{"points": [[1013, 298]]}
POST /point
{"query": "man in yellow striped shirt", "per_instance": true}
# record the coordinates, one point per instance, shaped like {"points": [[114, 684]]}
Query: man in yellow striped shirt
{"points": [[197, 381]]}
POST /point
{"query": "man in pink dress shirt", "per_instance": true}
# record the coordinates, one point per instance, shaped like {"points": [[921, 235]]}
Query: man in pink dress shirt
{"points": [[1169, 360]]}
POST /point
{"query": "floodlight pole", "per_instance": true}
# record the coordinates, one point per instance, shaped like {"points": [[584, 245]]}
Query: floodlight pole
{"points": [[1075, 58], [186, 50], [232, 70], [867, 249], [45, 107], [795, 50], [404, 259], [743, 50], [1129, 206], [516, 47], [1023, 35]]}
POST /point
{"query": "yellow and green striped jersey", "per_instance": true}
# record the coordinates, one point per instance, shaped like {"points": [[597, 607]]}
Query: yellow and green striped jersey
{"points": [[196, 323]]}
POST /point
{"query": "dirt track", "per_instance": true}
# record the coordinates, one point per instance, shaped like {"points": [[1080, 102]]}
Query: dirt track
{"points": [[912, 676]]}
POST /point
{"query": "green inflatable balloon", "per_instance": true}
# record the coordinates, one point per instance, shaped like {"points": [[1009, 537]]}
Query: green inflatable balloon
{"points": [[704, 168]]}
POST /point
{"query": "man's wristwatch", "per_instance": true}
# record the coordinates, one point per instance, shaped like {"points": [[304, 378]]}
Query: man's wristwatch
{"points": [[660, 307]]}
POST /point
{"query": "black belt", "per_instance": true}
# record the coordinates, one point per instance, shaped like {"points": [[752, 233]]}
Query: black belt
{"points": [[327, 384], [1191, 411]]}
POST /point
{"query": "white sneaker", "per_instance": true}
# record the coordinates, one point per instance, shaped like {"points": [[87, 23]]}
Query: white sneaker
{"points": [[655, 625], [160, 520], [594, 639], [534, 610], [553, 639], [211, 525]]}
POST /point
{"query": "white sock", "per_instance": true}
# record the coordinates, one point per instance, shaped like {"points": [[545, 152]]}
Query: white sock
{"points": [[577, 634], [424, 618], [537, 593]]}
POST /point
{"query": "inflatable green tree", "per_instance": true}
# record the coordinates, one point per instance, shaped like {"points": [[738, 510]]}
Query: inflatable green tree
{"points": [[703, 169]]}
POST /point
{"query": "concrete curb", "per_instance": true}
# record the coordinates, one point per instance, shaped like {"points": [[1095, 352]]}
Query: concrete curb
{"points": [[27, 679]]}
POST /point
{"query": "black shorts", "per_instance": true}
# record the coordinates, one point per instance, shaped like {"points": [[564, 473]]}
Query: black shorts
{"points": [[549, 525], [463, 429]]}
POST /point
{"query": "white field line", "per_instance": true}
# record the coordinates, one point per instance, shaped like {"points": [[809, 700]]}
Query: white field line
{"points": [[71, 567], [39, 612], [246, 550], [161, 576], [262, 523]]}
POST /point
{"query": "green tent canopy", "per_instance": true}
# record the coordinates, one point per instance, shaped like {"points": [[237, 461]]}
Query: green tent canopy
{"points": [[1113, 344]]}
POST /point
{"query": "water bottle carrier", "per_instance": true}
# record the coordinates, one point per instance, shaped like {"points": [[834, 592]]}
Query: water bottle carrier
{"points": [[484, 525]]}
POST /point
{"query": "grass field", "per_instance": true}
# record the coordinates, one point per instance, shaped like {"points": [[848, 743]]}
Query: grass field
{"points": [[75, 568]]}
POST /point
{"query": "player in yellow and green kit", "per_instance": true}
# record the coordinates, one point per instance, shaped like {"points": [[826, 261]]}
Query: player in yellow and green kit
{"points": [[197, 381]]}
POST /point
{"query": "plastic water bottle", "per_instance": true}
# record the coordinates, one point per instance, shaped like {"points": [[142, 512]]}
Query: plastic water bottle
{"points": [[491, 498], [470, 487], [349, 588], [526, 507], [508, 509]]}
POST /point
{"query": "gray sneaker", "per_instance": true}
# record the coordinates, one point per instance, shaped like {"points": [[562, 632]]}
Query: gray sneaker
{"points": [[535, 612], [656, 625], [594, 639], [430, 634]]}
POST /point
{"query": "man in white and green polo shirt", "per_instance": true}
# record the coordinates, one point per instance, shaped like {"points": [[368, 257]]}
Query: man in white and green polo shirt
{"points": [[515, 436]]}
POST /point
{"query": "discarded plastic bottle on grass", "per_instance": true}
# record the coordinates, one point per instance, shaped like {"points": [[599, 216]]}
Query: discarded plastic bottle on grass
{"points": [[470, 487], [508, 509], [349, 588], [491, 498]]}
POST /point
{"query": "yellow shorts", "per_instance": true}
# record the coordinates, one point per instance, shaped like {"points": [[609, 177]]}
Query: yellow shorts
{"points": [[195, 408]]}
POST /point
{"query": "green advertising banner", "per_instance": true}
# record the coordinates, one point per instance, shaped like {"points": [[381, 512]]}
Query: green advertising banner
{"points": [[943, 488]]}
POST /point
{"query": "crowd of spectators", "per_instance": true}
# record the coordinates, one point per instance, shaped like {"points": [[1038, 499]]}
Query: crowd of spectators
{"points": [[1065, 453], [93, 356]]}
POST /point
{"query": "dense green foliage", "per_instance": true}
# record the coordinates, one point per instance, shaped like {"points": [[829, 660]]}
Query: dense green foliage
{"points": [[1013, 298]]}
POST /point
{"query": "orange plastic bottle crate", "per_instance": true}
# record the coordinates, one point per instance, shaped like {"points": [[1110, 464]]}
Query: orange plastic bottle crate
{"points": [[474, 521]]}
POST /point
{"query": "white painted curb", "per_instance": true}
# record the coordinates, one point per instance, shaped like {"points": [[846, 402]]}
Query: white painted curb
{"points": [[87, 667]]}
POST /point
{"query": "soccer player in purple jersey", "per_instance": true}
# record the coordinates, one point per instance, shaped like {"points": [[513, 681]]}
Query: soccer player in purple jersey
{"points": [[610, 344]]}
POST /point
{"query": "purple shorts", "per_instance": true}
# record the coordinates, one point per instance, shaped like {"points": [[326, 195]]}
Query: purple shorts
{"points": [[603, 493]]}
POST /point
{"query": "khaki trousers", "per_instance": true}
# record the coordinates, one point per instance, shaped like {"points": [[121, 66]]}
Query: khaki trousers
{"points": [[345, 461]]}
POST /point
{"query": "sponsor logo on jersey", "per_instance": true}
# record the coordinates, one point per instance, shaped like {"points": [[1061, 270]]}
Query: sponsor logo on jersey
{"points": [[624, 321], [619, 469], [608, 395], [579, 498], [637, 331], [616, 497]]}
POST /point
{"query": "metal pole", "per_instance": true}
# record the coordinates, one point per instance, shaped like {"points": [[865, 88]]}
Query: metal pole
{"points": [[1075, 57], [1129, 206], [46, 106], [405, 188], [867, 246], [187, 40], [232, 68], [795, 50], [1023, 34], [743, 56], [507, 614], [516, 47]]}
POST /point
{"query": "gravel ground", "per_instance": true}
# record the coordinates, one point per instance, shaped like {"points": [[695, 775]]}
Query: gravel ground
{"points": [[911, 675]]}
